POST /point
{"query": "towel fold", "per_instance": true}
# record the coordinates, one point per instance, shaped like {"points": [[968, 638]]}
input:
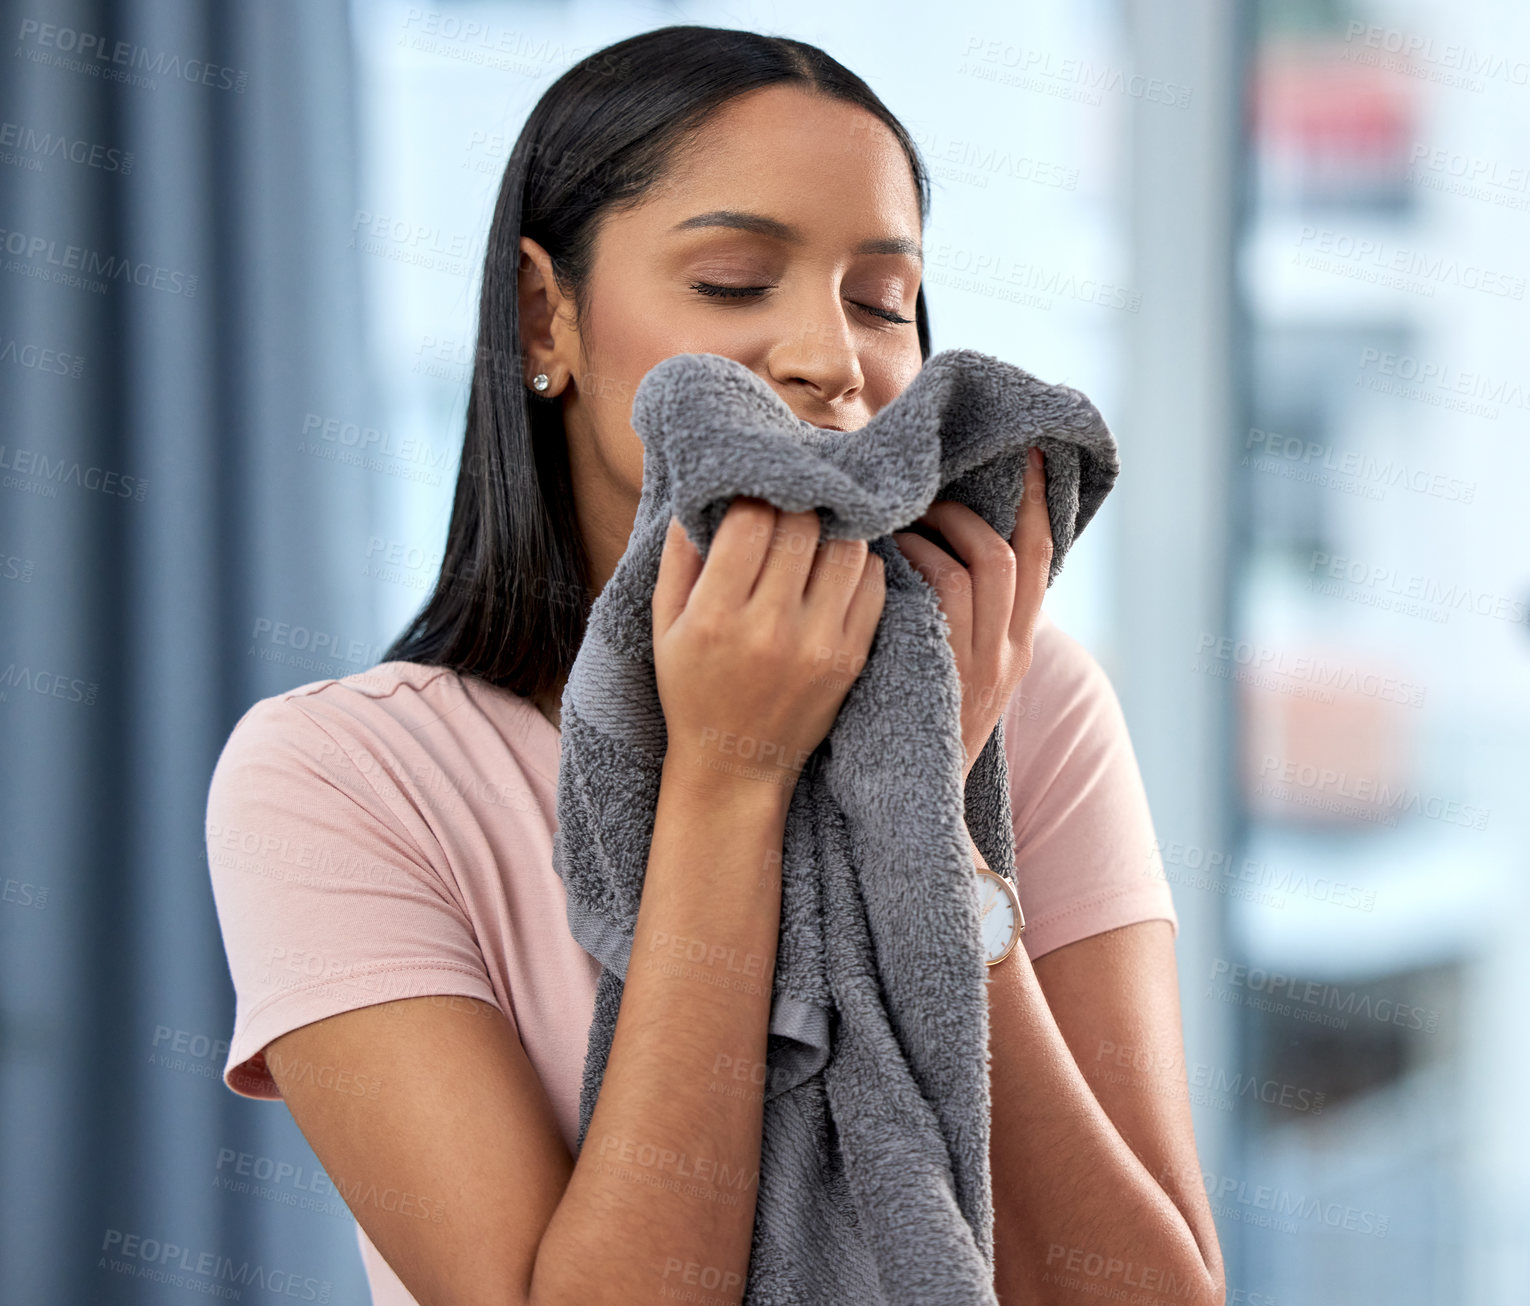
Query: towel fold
{"points": [[874, 1182]]}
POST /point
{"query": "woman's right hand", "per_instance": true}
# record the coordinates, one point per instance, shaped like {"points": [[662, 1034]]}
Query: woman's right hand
{"points": [[755, 649]]}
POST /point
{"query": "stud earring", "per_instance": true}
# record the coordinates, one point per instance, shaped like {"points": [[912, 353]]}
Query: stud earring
{"points": [[540, 382]]}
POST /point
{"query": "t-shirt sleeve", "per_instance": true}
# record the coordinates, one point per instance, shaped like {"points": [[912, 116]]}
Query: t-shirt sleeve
{"points": [[1086, 856], [325, 902]]}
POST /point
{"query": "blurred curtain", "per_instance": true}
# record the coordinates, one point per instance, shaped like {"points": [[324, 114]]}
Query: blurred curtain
{"points": [[128, 616]]}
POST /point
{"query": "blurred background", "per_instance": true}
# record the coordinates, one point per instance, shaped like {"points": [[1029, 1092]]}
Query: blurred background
{"points": [[1282, 245]]}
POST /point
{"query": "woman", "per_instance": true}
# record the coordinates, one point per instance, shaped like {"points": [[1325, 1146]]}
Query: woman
{"points": [[381, 845]]}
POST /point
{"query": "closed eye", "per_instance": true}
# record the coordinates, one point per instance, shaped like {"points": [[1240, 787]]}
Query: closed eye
{"points": [[740, 292]]}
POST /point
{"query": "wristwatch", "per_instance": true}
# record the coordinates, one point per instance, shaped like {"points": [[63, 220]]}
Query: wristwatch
{"points": [[1002, 920]]}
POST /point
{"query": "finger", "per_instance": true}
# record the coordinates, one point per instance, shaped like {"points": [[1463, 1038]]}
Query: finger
{"points": [[946, 576], [789, 561], [837, 569], [1032, 546], [737, 554], [990, 562], [679, 565], [864, 610]]}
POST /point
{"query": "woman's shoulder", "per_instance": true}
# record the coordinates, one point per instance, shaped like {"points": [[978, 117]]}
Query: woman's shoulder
{"points": [[309, 722], [386, 731], [405, 702], [1084, 838], [332, 884], [389, 688], [1066, 690]]}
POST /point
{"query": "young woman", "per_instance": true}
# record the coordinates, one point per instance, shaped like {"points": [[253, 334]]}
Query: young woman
{"points": [[381, 845]]}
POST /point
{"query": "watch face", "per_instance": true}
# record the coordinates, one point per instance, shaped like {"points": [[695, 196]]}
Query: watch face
{"points": [[996, 907]]}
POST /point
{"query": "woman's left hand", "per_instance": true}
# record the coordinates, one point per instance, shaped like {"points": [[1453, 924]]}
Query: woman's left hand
{"points": [[991, 603]]}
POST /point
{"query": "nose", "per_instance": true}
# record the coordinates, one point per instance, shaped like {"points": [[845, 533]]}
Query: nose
{"points": [[816, 364]]}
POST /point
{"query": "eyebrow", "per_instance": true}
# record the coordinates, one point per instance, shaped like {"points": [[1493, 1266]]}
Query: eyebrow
{"points": [[778, 230]]}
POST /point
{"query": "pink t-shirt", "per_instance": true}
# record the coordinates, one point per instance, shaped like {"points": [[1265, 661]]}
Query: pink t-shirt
{"points": [[389, 835]]}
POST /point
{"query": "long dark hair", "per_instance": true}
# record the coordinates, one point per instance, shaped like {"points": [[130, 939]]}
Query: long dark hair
{"points": [[512, 597]]}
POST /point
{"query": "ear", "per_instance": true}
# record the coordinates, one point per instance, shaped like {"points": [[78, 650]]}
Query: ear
{"points": [[545, 315]]}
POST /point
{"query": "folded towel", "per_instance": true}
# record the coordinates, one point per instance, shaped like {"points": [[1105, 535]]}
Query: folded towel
{"points": [[874, 1183]]}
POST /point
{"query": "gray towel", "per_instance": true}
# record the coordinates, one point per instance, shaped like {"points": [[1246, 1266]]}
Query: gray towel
{"points": [[874, 1183]]}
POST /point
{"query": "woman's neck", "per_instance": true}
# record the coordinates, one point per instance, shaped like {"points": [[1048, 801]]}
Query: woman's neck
{"points": [[550, 704]]}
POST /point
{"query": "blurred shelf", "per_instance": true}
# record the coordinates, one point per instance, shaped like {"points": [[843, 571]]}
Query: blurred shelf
{"points": [[1439, 896], [1329, 266]]}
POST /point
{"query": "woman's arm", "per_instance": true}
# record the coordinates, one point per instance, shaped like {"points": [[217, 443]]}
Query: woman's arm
{"points": [[1075, 1147], [662, 1199], [1096, 1183], [456, 1168]]}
